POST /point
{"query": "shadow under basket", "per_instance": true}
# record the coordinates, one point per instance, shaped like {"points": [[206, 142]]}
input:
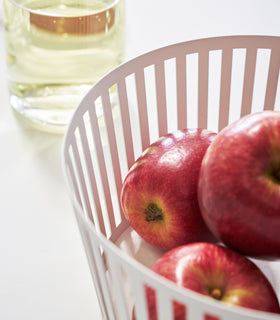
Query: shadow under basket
{"points": [[205, 83]]}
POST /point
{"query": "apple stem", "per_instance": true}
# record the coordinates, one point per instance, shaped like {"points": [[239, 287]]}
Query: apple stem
{"points": [[216, 293], [277, 175], [153, 212]]}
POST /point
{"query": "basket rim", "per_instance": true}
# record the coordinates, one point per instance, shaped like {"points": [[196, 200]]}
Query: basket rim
{"points": [[235, 41]]}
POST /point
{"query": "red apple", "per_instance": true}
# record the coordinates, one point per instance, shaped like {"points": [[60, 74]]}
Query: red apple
{"points": [[239, 185], [159, 194], [217, 272]]}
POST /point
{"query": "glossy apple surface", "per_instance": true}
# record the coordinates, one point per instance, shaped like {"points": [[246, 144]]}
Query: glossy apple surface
{"points": [[217, 272], [239, 185], [159, 194]]}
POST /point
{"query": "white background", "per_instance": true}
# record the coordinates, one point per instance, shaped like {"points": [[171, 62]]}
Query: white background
{"points": [[43, 269]]}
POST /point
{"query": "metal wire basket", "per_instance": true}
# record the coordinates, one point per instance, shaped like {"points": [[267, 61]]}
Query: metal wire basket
{"points": [[206, 83]]}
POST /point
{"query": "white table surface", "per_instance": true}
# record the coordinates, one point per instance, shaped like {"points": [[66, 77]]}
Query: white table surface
{"points": [[43, 269]]}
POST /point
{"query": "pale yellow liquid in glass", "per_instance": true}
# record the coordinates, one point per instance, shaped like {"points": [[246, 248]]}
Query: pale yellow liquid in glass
{"points": [[56, 50]]}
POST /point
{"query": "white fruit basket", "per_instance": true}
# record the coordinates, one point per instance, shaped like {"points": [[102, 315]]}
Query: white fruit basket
{"points": [[206, 83]]}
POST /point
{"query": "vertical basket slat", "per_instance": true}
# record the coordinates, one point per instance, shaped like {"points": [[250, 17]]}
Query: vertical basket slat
{"points": [[81, 181], [112, 139], [92, 181], [86, 156], [164, 306], [138, 289], [181, 91], [92, 265], [195, 313], [72, 177], [249, 76], [117, 283], [126, 123], [161, 98], [142, 108], [103, 276], [203, 71], [225, 88], [116, 179], [102, 167], [272, 81]]}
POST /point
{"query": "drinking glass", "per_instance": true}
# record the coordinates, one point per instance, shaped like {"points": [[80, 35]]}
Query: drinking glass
{"points": [[56, 50]]}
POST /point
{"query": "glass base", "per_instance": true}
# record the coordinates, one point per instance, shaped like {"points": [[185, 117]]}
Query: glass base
{"points": [[49, 109]]}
